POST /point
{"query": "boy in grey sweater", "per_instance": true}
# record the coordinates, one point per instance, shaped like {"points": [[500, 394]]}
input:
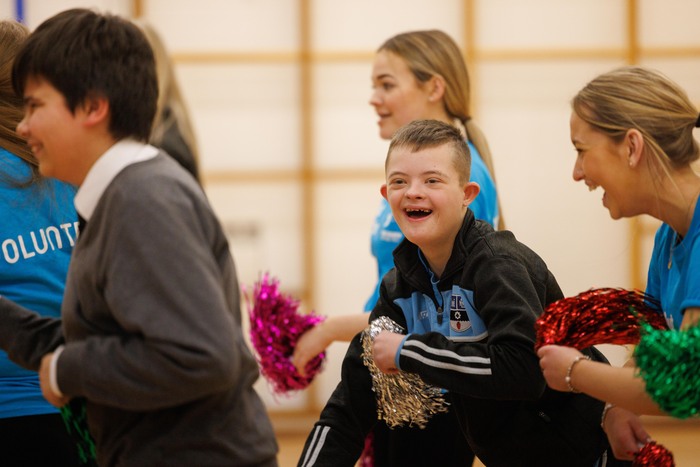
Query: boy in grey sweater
{"points": [[151, 334]]}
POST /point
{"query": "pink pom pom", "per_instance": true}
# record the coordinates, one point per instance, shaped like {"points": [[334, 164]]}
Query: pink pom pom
{"points": [[275, 328]]}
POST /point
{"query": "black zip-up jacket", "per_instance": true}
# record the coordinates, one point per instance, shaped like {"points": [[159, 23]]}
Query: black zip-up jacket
{"points": [[472, 332]]}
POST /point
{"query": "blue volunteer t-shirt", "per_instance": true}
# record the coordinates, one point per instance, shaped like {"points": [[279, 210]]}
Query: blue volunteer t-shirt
{"points": [[386, 234], [674, 270], [39, 228]]}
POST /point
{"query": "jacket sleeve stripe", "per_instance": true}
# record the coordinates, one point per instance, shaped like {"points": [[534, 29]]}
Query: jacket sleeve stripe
{"points": [[447, 353], [446, 366], [316, 445]]}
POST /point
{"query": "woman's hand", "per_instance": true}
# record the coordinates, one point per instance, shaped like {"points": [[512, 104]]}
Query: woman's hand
{"points": [[625, 432], [337, 328], [310, 344], [555, 361]]}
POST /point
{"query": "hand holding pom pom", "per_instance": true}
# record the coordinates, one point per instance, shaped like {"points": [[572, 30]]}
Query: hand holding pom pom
{"points": [[275, 328], [603, 316], [402, 398]]}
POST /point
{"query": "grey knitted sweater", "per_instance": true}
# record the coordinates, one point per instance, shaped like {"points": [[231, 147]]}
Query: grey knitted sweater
{"points": [[152, 329]]}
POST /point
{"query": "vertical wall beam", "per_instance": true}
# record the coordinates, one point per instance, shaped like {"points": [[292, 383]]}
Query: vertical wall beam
{"points": [[635, 228], [137, 8], [469, 49], [308, 173], [632, 32], [308, 180]]}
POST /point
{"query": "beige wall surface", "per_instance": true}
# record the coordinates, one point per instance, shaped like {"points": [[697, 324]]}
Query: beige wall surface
{"points": [[292, 160]]}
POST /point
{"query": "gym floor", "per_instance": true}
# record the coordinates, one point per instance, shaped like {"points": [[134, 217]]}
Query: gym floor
{"points": [[682, 438]]}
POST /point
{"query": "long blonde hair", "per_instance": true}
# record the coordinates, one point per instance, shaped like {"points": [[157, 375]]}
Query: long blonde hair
{"points": [[12, 35], [432, 52]]}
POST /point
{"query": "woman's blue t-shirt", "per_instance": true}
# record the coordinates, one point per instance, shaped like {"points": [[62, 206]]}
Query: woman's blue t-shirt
{"points": [[39, 228], [674, 270]]}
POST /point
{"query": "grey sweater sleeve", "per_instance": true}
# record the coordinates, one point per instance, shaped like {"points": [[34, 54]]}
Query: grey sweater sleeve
{"points": [[27, 336], [159, 325]]}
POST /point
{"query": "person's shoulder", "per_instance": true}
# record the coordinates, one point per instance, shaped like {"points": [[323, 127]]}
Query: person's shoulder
{"points": [[13, 166], [159, 181], [151, 173], [502, 243]]}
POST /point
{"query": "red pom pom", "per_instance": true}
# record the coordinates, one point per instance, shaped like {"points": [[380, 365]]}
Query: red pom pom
{"points": [[275, 328], [604, 316], [653, 455], [598, 316]]}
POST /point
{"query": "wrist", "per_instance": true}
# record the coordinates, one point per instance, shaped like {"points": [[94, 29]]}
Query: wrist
{"points": [[53, 372], [570, 370], [606, 409]]}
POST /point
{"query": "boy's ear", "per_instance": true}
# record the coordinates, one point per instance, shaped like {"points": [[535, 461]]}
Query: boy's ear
{"points": [[471, 190], [96, 109], [382, 190]]}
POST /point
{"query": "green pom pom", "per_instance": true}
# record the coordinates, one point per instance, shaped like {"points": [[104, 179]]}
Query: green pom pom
{"points": [[75, 417], [669, 363]]}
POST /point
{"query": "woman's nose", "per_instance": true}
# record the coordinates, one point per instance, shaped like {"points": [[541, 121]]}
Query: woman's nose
{"points": [[578, 171], [374, 99]]}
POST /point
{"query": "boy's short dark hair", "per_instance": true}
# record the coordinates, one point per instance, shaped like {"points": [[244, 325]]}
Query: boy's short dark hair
{"points": [[425, 134], [82, 54]]}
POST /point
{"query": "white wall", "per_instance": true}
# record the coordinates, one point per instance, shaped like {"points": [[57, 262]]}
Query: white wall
{"points": [[247, 117]]}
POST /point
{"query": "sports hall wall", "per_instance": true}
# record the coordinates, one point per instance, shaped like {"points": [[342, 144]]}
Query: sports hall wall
{"points": [[290, 153]]}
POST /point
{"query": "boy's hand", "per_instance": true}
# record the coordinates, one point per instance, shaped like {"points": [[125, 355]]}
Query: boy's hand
{"points": [[386, 344], [45, 383]]}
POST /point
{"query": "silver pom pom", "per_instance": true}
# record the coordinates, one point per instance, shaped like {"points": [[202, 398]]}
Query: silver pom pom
{"points": [[402, 398]]}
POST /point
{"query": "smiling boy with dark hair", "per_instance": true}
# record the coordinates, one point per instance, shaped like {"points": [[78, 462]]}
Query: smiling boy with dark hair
{"points": [[151, 334], [468, 297]]}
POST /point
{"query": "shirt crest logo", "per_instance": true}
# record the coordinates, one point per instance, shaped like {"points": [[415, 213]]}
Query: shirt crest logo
{"points": [[459, 319]]}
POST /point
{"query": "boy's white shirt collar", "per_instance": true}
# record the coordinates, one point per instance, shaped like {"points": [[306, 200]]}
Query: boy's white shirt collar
{"points": [[121, 155]]}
